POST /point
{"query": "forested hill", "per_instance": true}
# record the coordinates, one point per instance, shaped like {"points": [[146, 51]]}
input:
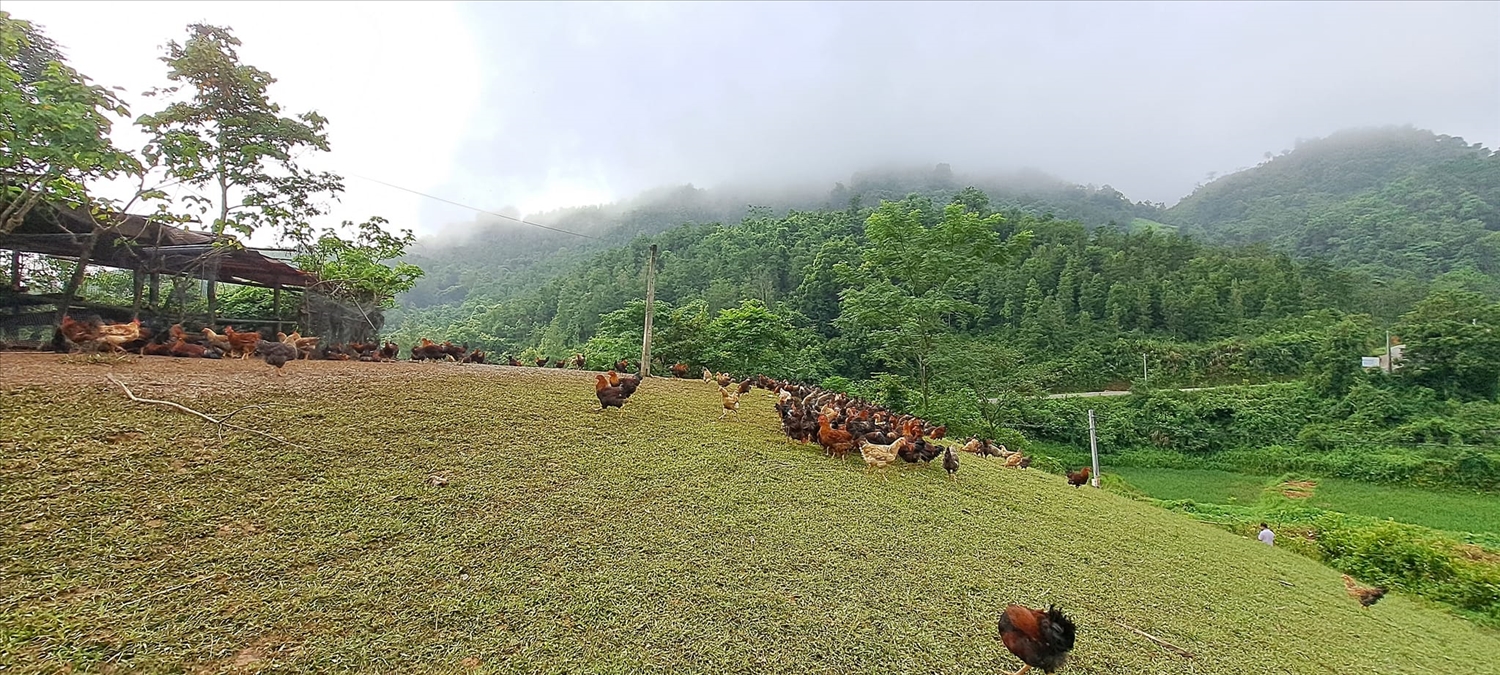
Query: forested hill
{"points": [[497, 259], [1395, 201]]}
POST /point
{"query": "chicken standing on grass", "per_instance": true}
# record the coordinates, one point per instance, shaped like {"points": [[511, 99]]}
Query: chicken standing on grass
{"points": [[950, 462], [731, 403], [609, 396], [1365, 595], [1078, 478], [276, 353], [1041, 639]]}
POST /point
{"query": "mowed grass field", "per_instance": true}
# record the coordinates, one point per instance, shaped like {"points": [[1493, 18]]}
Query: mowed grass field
{"points": [[132, 539], [1451, 511]]}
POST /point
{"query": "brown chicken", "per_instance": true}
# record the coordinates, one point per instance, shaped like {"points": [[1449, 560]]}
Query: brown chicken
{"points": [[157, 349], [622, 365], [680, 370], [723, 379], [950, 462], [1364, 594], [731, 400], [1078, 478], [243, 344], [79, 332], [837, 441], [609, 397], [185, 349], [1041, 639], [745, 386], [578, 361], [542, 362]]}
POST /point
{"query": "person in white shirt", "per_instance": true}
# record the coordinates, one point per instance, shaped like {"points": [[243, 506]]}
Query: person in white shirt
{"points": [[1267, 537]]}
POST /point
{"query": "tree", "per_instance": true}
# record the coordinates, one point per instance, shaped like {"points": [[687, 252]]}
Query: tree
{"points": [[1452, 343], [355, 269], [230, 137], [748, 339], [54, 127], [1336, 365], [915, 283]]}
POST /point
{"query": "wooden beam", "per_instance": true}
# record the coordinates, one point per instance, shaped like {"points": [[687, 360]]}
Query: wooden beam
{"points": [[137, 280]]}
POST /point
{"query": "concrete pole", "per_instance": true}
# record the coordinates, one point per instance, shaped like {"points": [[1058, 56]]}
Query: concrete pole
{"points": [[1094, 448], [650, 309]]}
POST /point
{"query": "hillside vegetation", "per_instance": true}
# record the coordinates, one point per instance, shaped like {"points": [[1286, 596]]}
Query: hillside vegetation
{"points": [[1398, 202], [571, 541]]}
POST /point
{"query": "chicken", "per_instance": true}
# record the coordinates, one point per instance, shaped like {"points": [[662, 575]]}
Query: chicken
{"points": [[745, 386], [541, 362], [609, 396], [880, 456], [973, 445], [680, 370], [1365, 595], [626, 383], [578, 361], [622, 365], [560, 363], [157, 349], [1016, 459], [216, 340], [79, 332], [1078, 478], [120, 334], [243, 344], [950, 463], [708, 376], [391, 349], [723, 379], [731, 403], [1041, 639], [514, 362], [838, 441], [276, 353], [188, 350]]}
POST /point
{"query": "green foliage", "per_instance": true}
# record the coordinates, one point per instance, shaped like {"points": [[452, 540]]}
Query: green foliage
{"points": [[1399, 203], [229, 139], [747, 339], [355, 269], [56, 128], [916, 282], [1453, 344]]}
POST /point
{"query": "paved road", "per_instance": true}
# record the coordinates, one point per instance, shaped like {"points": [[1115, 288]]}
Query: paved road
{"points": [[1085, 394]]}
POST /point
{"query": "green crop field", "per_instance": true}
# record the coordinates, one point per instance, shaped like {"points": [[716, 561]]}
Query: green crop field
{"points": [[1453, 511], [1199, 485], [134, 539]]}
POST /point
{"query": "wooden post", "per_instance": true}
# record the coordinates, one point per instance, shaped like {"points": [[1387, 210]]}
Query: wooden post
{"points": [[154, 299], [1094, 448], [213, 293], [14, 331], [276, 305], [650, 309], [137, 280]]}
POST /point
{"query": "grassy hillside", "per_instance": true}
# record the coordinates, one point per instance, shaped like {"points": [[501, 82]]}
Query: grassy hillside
{"points": [[567, 541]]}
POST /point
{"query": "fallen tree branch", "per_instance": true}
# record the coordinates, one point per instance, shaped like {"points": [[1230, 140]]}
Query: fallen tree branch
{"points": [[221, 423], [1163, 643]]}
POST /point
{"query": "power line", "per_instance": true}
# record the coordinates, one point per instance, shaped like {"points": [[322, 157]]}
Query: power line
{"points": [[472, 208]]}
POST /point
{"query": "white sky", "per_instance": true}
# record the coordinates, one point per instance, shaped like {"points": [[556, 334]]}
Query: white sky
{"points": [[399, 82], [543, 105]]}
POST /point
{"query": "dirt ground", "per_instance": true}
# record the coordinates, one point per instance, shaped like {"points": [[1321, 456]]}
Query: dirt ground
{"points": [[209, 378]]}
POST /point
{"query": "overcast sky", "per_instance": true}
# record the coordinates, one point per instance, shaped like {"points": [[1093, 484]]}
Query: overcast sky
{"points": [[539, 106]]}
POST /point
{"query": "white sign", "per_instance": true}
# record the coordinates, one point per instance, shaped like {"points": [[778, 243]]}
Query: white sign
{"points": [[1369, 361]]}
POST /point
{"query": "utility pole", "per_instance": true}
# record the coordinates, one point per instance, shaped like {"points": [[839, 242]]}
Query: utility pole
{"points": [[1145, 379], [650, 309], [1388, 363], [1094, 448]]}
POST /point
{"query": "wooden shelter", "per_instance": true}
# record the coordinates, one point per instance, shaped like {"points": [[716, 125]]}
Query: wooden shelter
{"points": [[149, 249]]}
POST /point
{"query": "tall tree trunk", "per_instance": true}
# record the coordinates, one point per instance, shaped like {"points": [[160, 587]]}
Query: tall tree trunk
{"points": [[85, 255]]}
